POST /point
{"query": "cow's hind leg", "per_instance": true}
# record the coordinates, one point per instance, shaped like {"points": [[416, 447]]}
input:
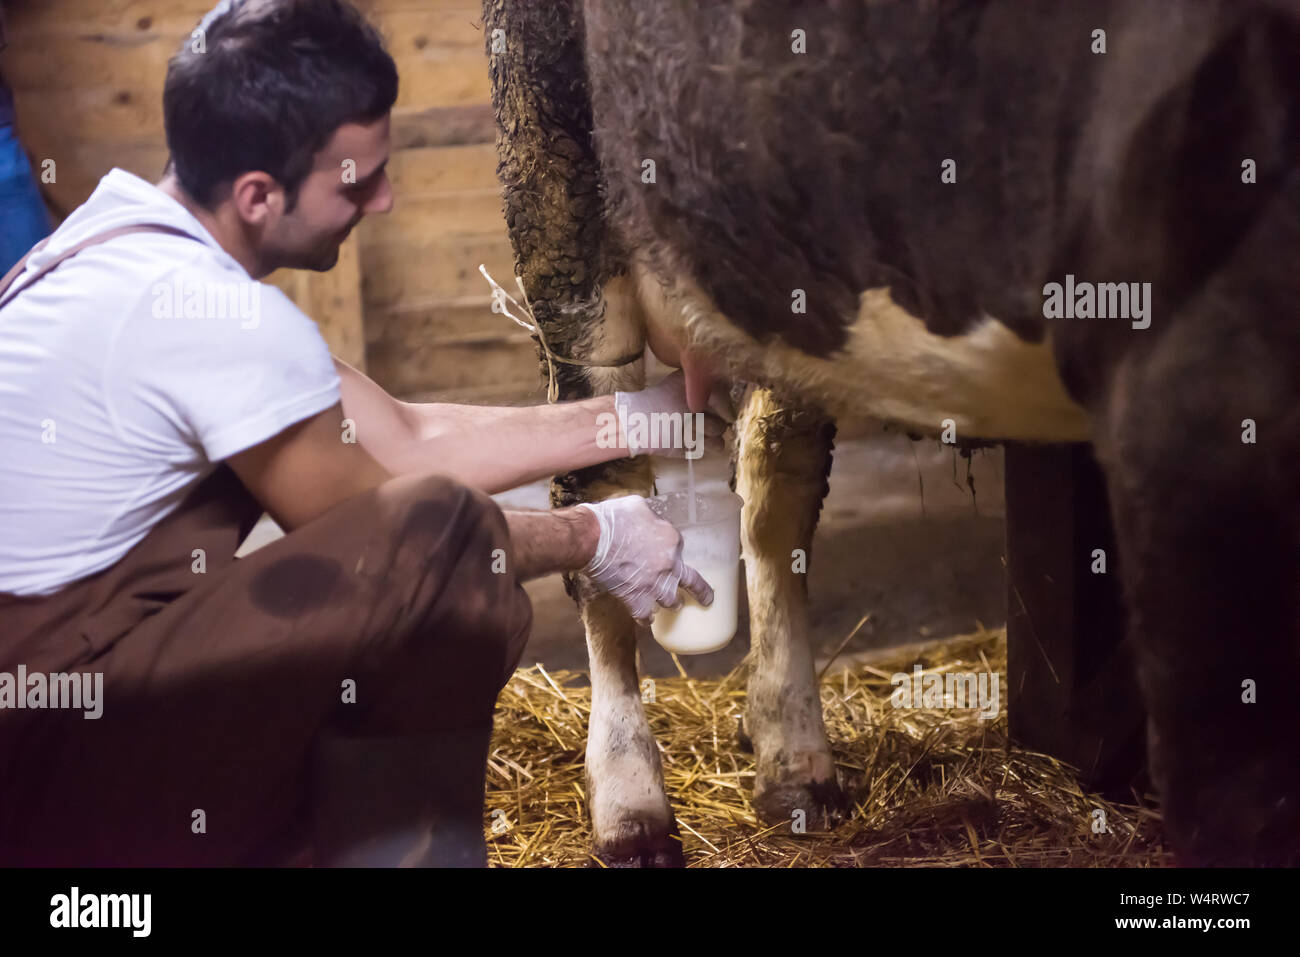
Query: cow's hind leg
{"points": [[783, 460], [1209, 532]]}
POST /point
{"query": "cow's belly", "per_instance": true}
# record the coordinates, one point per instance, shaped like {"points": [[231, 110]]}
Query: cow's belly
{"points": [[989, 383]]}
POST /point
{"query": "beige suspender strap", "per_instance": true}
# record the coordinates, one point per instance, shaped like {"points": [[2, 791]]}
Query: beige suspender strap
{"points": [[12, 276]]}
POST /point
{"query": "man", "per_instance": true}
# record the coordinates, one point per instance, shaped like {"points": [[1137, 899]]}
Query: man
{"points": [[154, 399]]}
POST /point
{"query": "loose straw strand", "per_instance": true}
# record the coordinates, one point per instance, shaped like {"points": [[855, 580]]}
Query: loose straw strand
{"points": [[552, 386]]}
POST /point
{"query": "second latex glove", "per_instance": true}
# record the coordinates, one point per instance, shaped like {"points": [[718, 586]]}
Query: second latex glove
{"points": [[639, 558], [643, 414]]}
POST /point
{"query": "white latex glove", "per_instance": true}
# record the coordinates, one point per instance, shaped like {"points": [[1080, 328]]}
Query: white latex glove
{"points": [[668, 395], [639, 558]]}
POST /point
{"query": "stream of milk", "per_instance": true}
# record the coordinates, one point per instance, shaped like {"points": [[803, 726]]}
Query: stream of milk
{"points": [[690, 491]]}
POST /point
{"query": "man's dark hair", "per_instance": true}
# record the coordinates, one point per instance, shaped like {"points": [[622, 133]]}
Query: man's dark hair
{"points": [[263, 85]]}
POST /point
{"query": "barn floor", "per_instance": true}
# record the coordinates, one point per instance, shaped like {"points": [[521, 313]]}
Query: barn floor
{"points": [[925, 787]]}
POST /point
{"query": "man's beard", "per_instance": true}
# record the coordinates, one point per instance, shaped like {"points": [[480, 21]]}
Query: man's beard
{"points": [[327, 257], [323, 261], [322, 257]]}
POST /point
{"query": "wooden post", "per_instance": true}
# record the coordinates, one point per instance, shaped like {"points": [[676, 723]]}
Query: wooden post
{"points": [[1072, 689]]}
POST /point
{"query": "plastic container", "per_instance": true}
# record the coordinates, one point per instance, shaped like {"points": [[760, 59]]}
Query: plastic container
{"points": [[710, 545]]}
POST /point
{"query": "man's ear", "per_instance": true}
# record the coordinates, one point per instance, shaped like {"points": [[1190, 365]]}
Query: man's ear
{"points": [[257, 198]]}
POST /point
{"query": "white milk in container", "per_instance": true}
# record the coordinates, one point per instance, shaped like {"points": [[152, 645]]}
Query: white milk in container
{"points": [[710, 545]]}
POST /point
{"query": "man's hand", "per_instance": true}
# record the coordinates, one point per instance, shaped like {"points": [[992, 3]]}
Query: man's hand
{"points": [[668, 396], [639, 558]]}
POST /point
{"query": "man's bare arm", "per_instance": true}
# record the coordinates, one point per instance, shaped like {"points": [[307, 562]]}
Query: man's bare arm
{"points": [[545, 542], [307, 469], [489, 448]]}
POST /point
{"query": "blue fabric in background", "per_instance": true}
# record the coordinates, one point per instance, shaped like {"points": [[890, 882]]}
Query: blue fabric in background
{"points": [[23, 219]]}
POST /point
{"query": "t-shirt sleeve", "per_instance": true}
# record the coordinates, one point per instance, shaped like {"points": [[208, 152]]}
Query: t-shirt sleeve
{"points": [[217, 367]]}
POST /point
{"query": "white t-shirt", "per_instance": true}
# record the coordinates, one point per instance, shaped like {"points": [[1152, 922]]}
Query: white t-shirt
{"points": [[127, 374]]}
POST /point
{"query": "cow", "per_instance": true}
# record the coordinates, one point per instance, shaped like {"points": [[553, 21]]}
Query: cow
{"points": [[1036, 221]]}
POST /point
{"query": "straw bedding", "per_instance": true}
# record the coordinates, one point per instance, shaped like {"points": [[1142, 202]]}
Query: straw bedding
{"points": [[926, 787]]}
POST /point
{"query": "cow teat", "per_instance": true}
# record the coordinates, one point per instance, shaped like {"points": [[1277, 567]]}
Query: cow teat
{"points": [[700, 378]]}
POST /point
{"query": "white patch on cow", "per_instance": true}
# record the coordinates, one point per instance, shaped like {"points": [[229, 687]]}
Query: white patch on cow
{"points": [[990, 382]]}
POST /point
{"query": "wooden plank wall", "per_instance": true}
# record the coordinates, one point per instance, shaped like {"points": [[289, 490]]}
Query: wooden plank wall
{"points": [[406, 299]]}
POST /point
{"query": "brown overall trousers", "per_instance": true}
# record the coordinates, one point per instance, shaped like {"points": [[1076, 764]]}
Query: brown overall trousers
{"points": [[331, 691]]}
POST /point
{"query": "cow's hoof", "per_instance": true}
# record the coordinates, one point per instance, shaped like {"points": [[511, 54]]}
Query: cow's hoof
{"points": [[640, 843], [823, 804]]}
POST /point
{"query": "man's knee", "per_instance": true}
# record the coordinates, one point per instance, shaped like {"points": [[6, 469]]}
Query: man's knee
{"points": [[431, 525], [423, 510], [449, 563]]}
